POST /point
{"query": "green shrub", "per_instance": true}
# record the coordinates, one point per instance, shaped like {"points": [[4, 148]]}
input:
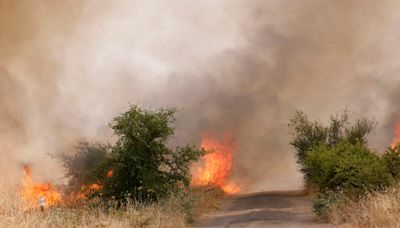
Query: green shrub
{"points": [[143, 167], [351, 168], [336, 161], [391, 158], [306, 134], [324, 202]]}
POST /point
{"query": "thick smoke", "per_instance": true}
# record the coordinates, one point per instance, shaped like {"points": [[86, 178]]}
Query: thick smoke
{"points": [[237, 66]]}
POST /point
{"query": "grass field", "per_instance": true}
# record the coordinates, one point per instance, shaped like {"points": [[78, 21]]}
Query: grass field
{"points": [[174, 212], [379, 209]]}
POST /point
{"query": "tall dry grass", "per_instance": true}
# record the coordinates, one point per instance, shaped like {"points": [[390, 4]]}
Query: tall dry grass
{"points": [[379, 209], [167, 214], [176, 211]]}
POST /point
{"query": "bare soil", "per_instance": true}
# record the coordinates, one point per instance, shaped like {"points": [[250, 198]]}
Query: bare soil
{"points": [[265, 209]]}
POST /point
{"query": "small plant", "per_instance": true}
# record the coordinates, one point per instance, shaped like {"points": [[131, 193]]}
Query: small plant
{"points": [[324, 203], [306, 135], [391, 158]]}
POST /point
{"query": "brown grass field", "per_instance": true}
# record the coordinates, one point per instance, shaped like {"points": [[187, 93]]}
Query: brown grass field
{"points": [[173, 212], [380, 209]]}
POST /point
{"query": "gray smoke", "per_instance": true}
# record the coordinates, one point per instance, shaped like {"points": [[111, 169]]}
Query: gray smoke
{"points": [[238, 66]]}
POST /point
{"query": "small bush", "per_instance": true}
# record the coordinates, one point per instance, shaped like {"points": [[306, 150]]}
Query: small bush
{"points": [[391, 158], [306, 134], [352, 168], [324, 203]]}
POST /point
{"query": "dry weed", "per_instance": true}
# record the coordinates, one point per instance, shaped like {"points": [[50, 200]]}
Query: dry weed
{"points": [[379, 209], [13, 214], [177, 211]]}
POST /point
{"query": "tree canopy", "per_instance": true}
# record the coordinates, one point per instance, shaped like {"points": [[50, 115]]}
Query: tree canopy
{"points": [[140, 164]]}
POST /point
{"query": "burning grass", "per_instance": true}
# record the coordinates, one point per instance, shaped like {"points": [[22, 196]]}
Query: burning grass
{"points": [[137, 182], [31, 191], [176, 211], [135, 215], [21, 208]]}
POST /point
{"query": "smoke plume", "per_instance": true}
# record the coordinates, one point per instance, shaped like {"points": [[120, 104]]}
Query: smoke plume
{"points": [[241, 66]]}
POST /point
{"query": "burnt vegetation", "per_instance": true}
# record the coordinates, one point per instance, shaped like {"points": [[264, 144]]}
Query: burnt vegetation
{"points": [[78, 165]]}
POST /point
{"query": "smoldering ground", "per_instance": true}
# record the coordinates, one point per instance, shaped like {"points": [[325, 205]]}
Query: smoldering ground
{"points": [[239, 66]]}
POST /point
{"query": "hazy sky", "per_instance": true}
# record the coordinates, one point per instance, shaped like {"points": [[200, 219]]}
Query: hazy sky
{"points": [[242, 66]]}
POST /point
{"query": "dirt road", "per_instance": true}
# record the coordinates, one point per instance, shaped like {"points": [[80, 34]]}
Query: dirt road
{"points": [[267, 209]]}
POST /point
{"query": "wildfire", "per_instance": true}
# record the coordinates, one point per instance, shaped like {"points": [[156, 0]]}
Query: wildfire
{"points": [[92, 188], [31, 192], [87, 190], [110, 173], [217, 165], [396, 138]]}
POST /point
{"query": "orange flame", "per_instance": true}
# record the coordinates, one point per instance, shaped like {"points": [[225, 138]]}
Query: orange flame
{"points": [[86, 190], [217, 165], [31, 192], [110, 173], [396, 139]]}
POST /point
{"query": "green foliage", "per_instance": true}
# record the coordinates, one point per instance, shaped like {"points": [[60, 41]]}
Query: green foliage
{"points": [[306, 134], [352, 168], [323, 203], [78, 165], [143, 167], [356, 133], [391, 158], [336, 161]]}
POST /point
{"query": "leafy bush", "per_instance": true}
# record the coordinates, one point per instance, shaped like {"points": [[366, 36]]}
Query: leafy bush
{"points": [[352, 168], [142, 166], [391, 158], [306, 134], [337, 163], [324, 202]]}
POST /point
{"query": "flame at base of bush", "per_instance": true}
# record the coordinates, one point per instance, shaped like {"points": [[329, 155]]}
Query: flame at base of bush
{"points": [[32, 192], [216, 166], [87, 190]]}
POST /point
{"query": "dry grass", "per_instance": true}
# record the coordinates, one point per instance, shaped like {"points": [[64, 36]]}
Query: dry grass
{"points": [[208, 199], [174, 212], [380, 209], [135, 215]]}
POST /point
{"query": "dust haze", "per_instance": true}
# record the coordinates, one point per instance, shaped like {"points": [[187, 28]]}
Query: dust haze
{"points": [[241, 66]]}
